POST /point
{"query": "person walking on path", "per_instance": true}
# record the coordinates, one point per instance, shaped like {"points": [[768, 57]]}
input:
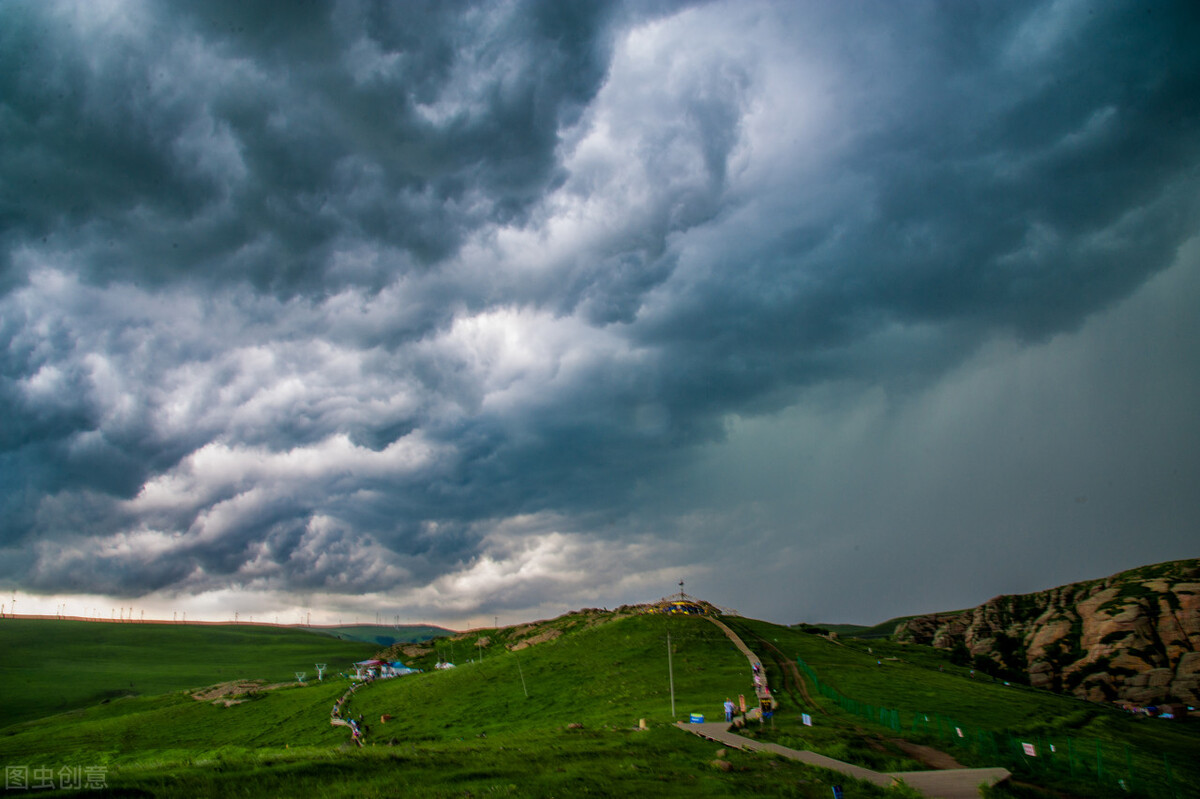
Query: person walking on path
{"points": [[728, 709]]}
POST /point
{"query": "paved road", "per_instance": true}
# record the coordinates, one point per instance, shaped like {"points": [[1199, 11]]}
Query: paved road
{"points": [[719, 731], [960, 783]]}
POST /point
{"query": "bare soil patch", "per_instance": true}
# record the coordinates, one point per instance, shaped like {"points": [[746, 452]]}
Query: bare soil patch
{"points": [[540, 638], [234, 692], [934, 758]]}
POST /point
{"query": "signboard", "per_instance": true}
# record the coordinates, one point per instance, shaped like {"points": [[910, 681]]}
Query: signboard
{"points": [[1029, 749], [807, 719], [959, 731], [742, 702], [837, 792]]}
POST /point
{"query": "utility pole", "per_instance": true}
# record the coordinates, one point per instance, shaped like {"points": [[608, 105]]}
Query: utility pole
{"points": [[522, 673], [671, 674]]}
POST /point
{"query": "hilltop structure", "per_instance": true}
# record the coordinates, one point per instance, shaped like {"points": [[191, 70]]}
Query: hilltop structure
{"points": [[682, 604]]}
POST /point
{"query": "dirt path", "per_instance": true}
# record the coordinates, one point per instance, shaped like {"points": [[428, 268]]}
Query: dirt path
{"points": [[926, 755], [934, 758], [761, 688], [792, 679], [342, 707], [960, 783]]}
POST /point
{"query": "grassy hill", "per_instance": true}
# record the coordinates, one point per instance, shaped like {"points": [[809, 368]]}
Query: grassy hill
{"points": [[552, 709], [1104, 639], [384, 634], [51, 666], [467, 731], [883, 630], [932, 699]]}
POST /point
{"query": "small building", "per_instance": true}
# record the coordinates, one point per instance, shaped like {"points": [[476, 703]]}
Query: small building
{"points": [[367, 669], [682, 604]]}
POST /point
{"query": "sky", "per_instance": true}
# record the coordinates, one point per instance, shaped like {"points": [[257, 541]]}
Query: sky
{"points": [[482, 312]]}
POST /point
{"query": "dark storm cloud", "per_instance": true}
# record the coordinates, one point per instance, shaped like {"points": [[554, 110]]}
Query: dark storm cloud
{"points": [[373, 295], [999, 189], [239, 144]]}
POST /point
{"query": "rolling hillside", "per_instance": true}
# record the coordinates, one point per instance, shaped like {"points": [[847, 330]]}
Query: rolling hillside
{"points": [[553, 709], [51, 666]]}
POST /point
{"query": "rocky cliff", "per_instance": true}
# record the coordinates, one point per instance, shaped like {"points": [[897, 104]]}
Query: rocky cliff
{"points": [[1134, 636]]}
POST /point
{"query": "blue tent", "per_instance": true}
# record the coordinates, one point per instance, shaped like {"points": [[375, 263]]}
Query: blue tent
{"points": [[399, 669]]}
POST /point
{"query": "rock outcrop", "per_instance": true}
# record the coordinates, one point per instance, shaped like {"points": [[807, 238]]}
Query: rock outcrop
{"points": [[1134, 636]]}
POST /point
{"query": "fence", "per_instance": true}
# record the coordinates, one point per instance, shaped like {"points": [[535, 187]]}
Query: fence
{"points": [[1111, 766]]}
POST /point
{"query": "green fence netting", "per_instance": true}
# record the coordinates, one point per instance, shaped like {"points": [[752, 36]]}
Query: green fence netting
{"points": [[1106, 764]]}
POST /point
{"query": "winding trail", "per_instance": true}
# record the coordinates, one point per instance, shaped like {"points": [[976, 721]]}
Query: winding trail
{"points": [[792, 681], [761, 689], [955, 783], [335, 715]]}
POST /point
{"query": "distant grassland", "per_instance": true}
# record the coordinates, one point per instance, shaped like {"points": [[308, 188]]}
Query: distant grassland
{"points": [[883, 630], [383, 635], [51, 666]]}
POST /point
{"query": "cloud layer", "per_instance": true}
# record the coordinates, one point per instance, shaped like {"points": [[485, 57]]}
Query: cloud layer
{"points": [[459, 306]]}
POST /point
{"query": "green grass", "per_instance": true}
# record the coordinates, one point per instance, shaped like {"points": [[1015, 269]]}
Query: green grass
{"points": [[504, 725], [52, 666], [919, 681], [661, 762], [610, 674], [469, 730]]}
